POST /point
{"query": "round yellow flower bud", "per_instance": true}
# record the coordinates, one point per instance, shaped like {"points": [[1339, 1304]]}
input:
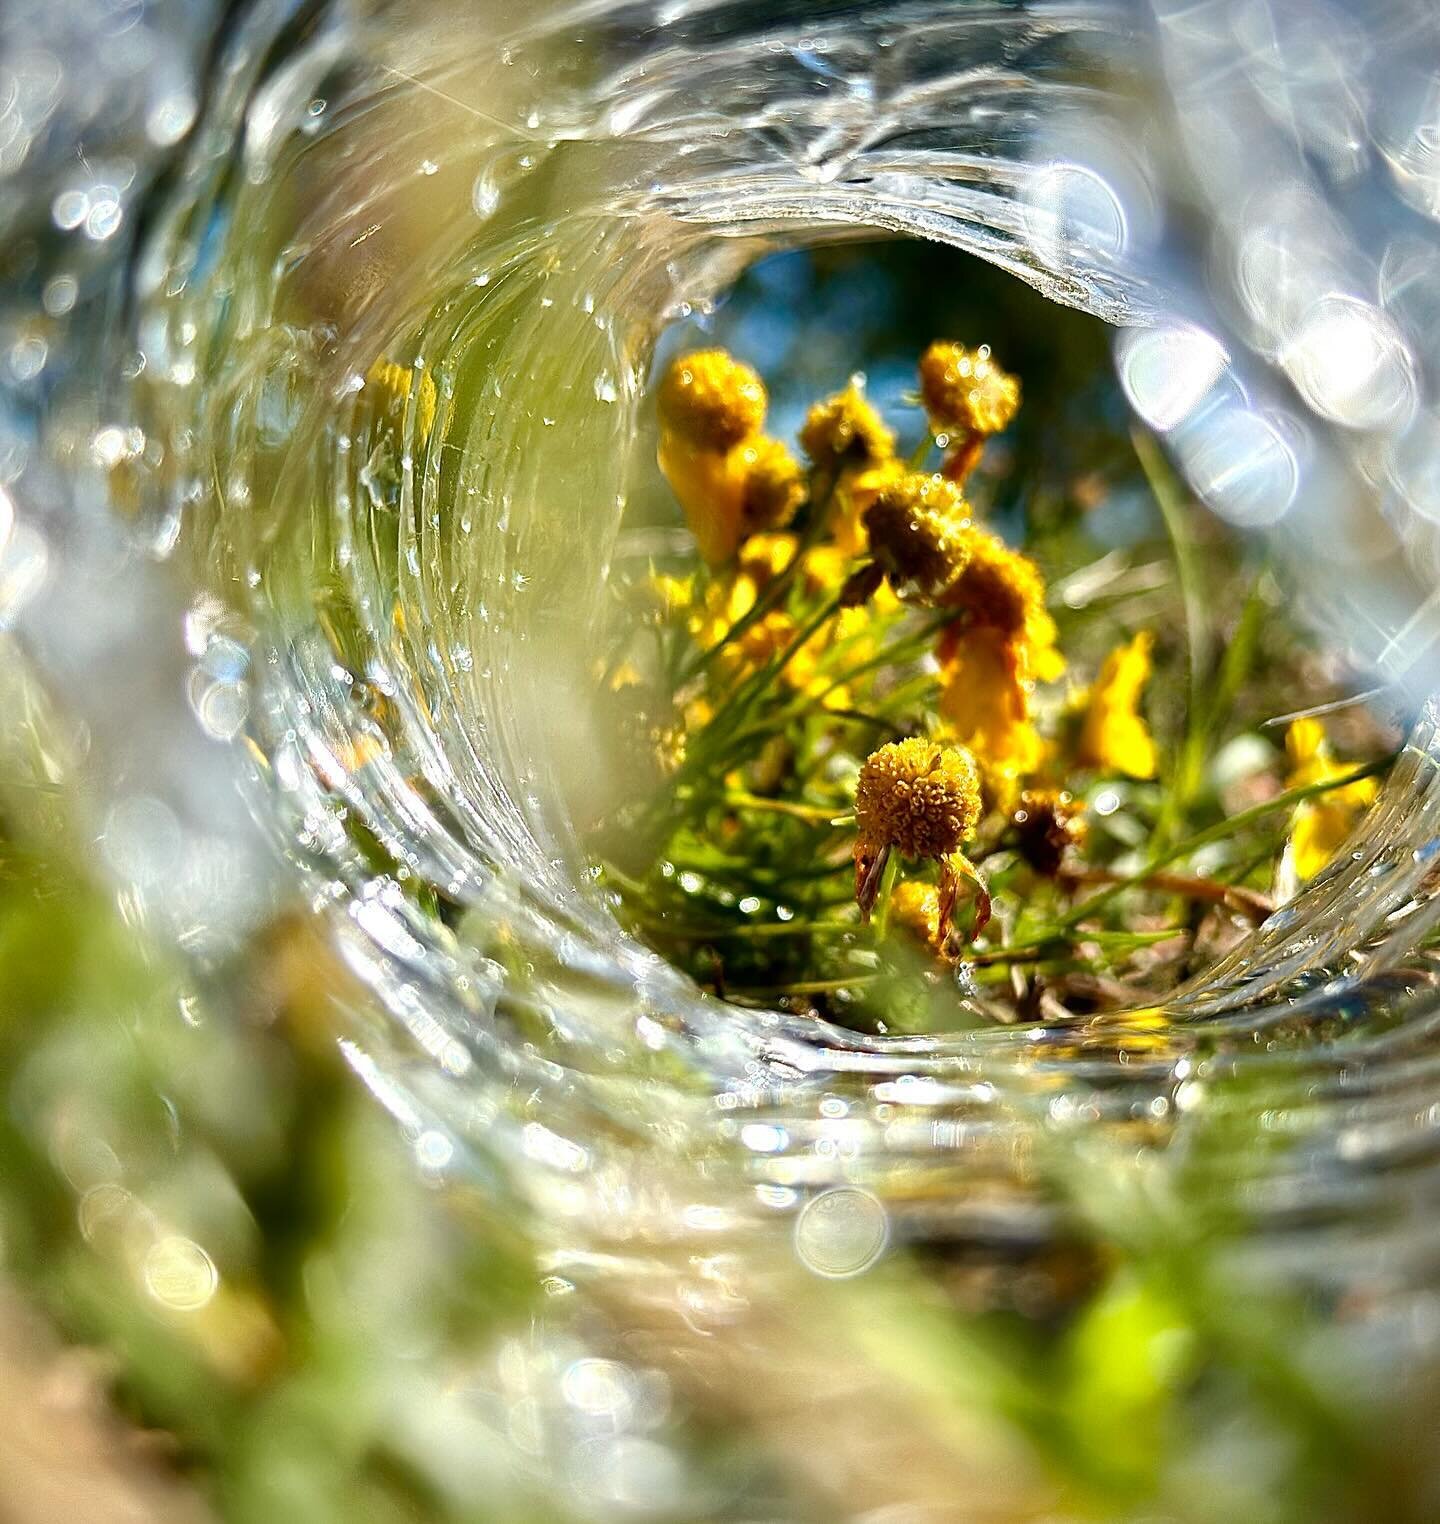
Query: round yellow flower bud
{"points": [[844, 432], [919, 797], [773, 488], [711, 401], [918, 527], [964, 391]]}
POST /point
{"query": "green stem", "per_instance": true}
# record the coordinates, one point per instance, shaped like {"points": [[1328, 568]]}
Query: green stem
{"points": [[897, 651], [816, 814], [758, 682], [772, 593], [1166, 491], [761, 931], [882, 900], [807, 986]]}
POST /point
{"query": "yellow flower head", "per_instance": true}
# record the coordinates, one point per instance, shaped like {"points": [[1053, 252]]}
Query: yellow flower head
{"points": [[964, 391], [765, 639], [993, 657], [731, 595], [711, 401], [667, 596], [846, 433], [1113, 736], [1046, 822], [773, 485], [667, 747], [1306, 751], [1320, 825], [389, 385], [918, 527], [919, 797]]}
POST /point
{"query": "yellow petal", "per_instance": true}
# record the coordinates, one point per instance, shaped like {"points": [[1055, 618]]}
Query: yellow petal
{"points": [[710, 487], [1304, 743], [985, 697], [1114, 737], [1319, 828]]}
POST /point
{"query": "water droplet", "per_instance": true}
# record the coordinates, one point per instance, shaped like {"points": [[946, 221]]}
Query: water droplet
{"points": [[485, 198], [841, 1233], [179, 1274], [170, 119], [59, 295]]}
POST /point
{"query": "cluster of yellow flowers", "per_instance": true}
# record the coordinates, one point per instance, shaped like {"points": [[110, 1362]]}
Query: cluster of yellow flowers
{"points": [[882, 536]]}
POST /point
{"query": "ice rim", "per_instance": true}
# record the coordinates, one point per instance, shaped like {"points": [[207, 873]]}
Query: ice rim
{"points": [[616, 164]]}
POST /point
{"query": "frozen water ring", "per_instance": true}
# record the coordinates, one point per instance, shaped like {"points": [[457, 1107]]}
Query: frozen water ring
{"points": [[372, 297]]}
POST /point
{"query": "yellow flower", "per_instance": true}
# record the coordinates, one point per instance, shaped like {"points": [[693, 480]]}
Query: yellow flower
{"points": [[729, 496], [921, 799], [917, 796], [389, 385], [844, 434], [765, 556], [1000, 589], [918, 527], [774, 486], [626, 675], [669, 596], [825, 568], [667, 747], [711, 401], [710, 487], [766, 639], [1113, 736], [1320, 825], [986, 698], [731, 595], [698, 714], [992, 658], [711, 406], [964, 391], [726, 599]]}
